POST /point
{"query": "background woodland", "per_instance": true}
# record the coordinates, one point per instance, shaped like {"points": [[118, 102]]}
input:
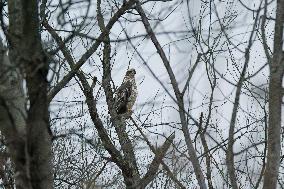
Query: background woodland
{"points": [[209, 112]]}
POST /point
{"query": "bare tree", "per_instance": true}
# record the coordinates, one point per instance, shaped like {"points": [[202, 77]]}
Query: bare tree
{"points": [[209, 109], [26, 130]]}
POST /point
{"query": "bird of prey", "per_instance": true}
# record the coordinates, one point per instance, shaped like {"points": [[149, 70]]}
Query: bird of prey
{"points": [[126, 94]]}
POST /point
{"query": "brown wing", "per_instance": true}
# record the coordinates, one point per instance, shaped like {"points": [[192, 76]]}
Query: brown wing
{"points": [[122, 97]]}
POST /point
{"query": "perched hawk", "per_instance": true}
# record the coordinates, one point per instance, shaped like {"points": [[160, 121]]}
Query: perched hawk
{"points": [[126, 94]]}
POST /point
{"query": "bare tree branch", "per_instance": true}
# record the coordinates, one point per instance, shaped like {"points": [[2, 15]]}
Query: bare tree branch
{"points": [[169, 172], [91, 50], [116, 156], [179, 97]]}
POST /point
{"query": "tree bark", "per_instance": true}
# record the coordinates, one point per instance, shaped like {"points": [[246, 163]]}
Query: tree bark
{"points": [[27, 53], [275, 101], [12, 118]]}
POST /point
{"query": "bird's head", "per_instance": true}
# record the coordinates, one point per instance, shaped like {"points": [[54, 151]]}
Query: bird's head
{"points": [[130, 73]]}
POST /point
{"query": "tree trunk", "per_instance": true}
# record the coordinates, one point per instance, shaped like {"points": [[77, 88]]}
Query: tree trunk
{"points": [[12, 118], [27, 53], [275, 101]]}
